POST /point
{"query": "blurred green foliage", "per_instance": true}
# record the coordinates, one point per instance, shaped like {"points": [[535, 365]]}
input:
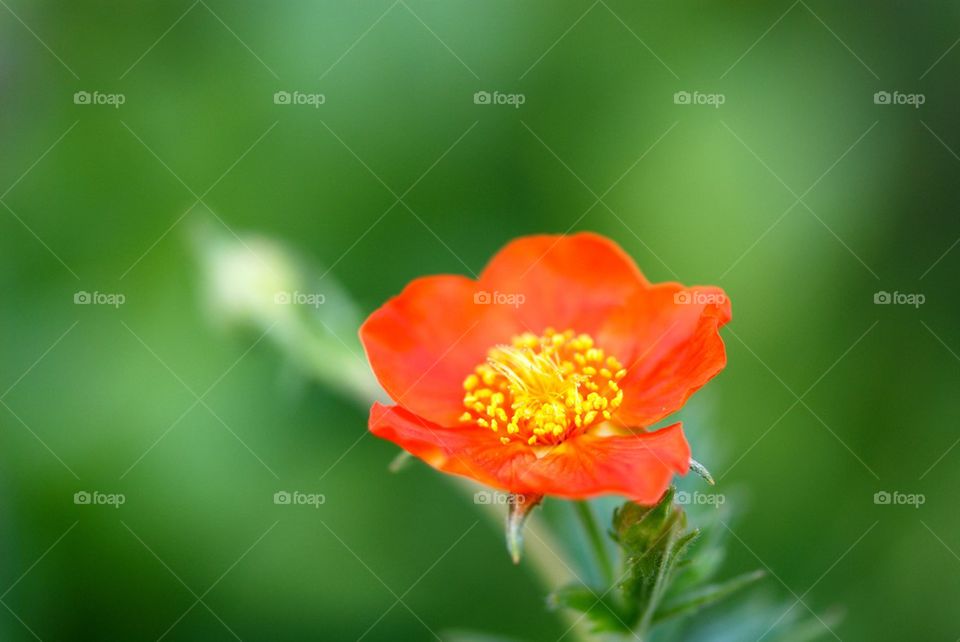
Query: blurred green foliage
{"points": [[98, 398]]}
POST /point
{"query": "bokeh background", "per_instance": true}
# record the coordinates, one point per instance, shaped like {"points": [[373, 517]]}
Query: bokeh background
{"points": [[800, 195]]}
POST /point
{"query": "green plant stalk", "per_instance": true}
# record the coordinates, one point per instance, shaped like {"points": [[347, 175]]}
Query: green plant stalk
{"points": [[597, 542]]}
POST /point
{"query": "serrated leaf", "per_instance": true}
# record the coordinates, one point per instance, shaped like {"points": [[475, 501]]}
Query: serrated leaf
{"points": [[706, 596], [597, 606]]}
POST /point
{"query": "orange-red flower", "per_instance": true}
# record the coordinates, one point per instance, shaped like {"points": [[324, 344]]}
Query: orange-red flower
{"points": [[540, 377]]}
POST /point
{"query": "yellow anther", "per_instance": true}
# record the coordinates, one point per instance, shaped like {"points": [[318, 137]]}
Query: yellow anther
{"points": [[542, 388], [471, 382]]}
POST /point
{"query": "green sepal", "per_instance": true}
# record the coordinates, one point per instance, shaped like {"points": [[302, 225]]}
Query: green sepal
{"points": [[652, 539]]}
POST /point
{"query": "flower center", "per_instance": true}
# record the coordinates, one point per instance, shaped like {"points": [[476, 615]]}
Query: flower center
{"points": [[543, 389]]}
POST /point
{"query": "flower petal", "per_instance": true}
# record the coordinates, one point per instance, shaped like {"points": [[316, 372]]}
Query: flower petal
{"points": [[423, 343], [637, 466], [676, 348], [566, 281], [470, 451]]}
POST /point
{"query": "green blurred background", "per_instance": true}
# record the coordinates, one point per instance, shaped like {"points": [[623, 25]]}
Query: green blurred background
{"points": [[104, 199]]}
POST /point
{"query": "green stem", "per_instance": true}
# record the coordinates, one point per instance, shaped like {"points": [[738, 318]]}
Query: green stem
{"points": [[595, 535]]}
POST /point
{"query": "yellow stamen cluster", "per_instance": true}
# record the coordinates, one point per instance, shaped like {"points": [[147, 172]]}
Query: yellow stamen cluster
{"points": [[539, 390]]}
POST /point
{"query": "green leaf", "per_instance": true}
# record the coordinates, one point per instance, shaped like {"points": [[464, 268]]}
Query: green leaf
{"points": [[664, 568], [597, 605], [706, 596]]}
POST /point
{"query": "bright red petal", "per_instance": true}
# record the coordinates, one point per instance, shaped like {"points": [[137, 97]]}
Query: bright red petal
{"points": [[566, 281], [470, 451], [424, 342], [677, 348], [637, 466]]}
